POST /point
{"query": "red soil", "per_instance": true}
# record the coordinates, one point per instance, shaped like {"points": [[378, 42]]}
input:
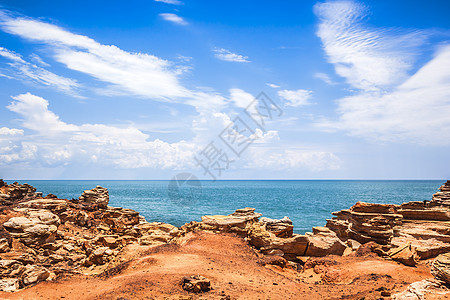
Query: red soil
{"points": [[234, 271]]}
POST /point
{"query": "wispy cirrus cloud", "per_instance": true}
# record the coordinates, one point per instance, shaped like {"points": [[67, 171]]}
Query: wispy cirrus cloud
{"points": [[174, 2], [174, 18], [21, 69], [416, 111], [391, 105], [368, 58], [226, 55], [324, 77], [139, 74]]}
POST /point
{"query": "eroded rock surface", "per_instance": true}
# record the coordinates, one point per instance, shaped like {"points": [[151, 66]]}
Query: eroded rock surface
{"points": [[43, 237], [422, 224]]}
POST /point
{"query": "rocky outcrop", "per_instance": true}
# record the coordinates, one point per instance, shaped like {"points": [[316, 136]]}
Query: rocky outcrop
{"points": [[97, 197], [272, 236], [422, 224], [41, 238], [13, 193]]}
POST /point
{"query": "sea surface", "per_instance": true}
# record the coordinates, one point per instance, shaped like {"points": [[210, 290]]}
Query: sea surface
{"points": [[307, 202]]}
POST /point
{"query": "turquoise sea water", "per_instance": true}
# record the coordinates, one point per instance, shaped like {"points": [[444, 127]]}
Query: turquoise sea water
{"points": [[307, 202]]}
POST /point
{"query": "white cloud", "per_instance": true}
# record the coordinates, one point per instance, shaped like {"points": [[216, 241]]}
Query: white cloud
{"points": [[416, 111], [264, 138], [37, 116], [293, 159], [10, 131], [57, 142], [226, 55], [272, 85], [368, 58], [26, 70], [295, 98], [37, 59], [325, 78], [173, 18], [241, 98], [138, 74], [175, 2]]}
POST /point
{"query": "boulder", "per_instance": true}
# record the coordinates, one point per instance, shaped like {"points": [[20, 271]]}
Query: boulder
{"points": [[273, 260], [293, 246], [51, 196], [324, 242], [237, 219], [54, 205], [99, 256], [405, 254], [34, 274], [280, 227], [109, 241], [43, 216], [120, 219], [98, 196], [30, 231], [196, 284], [441, 267]]}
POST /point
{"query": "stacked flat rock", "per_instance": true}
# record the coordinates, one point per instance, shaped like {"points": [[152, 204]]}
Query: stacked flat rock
{"points": [[366, 222], [443, 196], [98, 196], [422, 224]]}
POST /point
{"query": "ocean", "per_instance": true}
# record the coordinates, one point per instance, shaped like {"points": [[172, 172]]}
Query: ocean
{"points": [[307, 203]]}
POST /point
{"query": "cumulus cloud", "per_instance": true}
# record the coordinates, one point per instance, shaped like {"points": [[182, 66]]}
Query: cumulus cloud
{"points": [[226, 55], [368, 58], [173, 18], [5, 131], [36, 115], [26, 70], [57, 142], [295, 98]]}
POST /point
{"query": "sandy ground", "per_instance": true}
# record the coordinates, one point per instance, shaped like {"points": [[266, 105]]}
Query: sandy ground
{"points": [[234, 271]]}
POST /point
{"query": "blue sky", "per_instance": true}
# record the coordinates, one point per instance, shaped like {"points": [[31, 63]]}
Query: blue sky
{"points": [[140, 89]]}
